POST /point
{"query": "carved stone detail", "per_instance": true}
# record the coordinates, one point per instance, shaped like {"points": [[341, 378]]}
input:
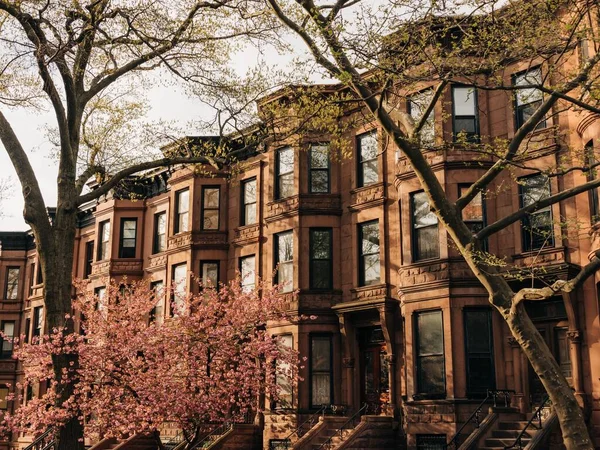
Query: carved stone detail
{"points": [[210, 239], [364, 197], [318, 300], [574, 336], [369, 292], [179, 240], [348, 362], [310, 203], [101, 267], [157, 261], [247, 233], [125, 266]]}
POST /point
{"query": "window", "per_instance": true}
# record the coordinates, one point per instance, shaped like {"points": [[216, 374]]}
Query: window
{"points": [[100, 292], [429, 342], [128, 238], [321, 376], [464, 113], [479, 351], [284, 260], [369, 258], [527, 100], [319, 169], [431, 442], [279, 444], [284, 183], [158, 312], [536, 226], [248, 213], [368, 165], [39, 276], [27, 330], [210, 208], [473, 213], [283, 377], [209, 271], [179, 287], [104, 240], [182, 208], [89, 258], [31, 278], [8, 333], [11, 289], [321, 249], [3, 398], [426, 244], [417, 105], [160, 233], [590, 161], [248, 273], [38, 321]]}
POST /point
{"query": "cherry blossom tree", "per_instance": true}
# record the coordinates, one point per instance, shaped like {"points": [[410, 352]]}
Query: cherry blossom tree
{"points": [[210, 362]]}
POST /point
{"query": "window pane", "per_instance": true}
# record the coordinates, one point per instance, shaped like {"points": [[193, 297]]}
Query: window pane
{"points": [[286, 160], [430, 333], [477, 324], [370, 238], [372, 268], [418, 104], [183, 201], [285, 277], [129, 227], [210, 274], [319, 156], [161, 224], [3, 398], [250, 214], [432, 374], [248, 273], [370, 172], [250, 191], [105, 231], [427, 244], [464, 101], [284, 381], [179, 281], [285, 246], [211, 197], [534, 189], [422, 214], [465, 125], [321, 274], [12, 283], [321, 389], [321, 353], [368, 146], [319, 181], [529, 95], [320, 244], [211, 219], [474, 210], [183, 222], [286, 185]]}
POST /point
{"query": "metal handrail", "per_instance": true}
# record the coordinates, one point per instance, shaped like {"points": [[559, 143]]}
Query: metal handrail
{"points": [[41, 442], [211, 437], [474, 417], [536, 415], [311, 420], [340, 431]]}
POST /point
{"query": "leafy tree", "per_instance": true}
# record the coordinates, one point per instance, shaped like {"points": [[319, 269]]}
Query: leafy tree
{"points": [[136, 370], [87, 61], [382, 52]]}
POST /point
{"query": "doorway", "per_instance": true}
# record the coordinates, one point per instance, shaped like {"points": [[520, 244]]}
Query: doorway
{"points": [[374, 370]]}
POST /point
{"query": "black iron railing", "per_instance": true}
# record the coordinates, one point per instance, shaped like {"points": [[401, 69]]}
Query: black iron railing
{"points": [[498, 397], [220, 431], [536, 417], [304, 427], [348, 425], [45, 441]]}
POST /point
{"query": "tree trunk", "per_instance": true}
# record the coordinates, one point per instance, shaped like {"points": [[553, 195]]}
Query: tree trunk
{"points": [[57, 269]]}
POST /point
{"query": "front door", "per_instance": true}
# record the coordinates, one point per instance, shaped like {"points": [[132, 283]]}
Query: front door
{"points": [[375, 386]]}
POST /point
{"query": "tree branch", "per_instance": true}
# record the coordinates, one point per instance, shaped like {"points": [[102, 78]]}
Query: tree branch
{"points": [[436, 95]]}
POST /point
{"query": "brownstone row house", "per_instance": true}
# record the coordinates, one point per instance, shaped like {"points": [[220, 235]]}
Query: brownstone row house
{"points": [[402, 325]]}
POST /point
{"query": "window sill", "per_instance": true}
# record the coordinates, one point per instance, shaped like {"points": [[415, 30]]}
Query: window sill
{"points": [[428, 397]]}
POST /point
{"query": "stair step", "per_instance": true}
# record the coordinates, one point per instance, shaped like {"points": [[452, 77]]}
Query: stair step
{"points": [[493, 442], [508, 434], [519, 425]]}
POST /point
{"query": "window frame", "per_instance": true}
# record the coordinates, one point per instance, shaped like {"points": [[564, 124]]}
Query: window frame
{"points": [[419, 394], [15, 287], [122, 248], [178, 216], [361, 256], [153, 316], [277, 405], [211, 261], [38, 322], [517, 109], [240, 266], [4, 401], [409, 110], [591, 174], [311, 259], [483, 222], [471, 392], [279, 175], [7, 354], [527, 236], [416, 257], [360, 181], [204, 208], [277, 263], [158, 246], [312, 372], [103, 252], [89, 258], [31, 278], [244, 203], [176, 291], [470, 137], [327, 169]]}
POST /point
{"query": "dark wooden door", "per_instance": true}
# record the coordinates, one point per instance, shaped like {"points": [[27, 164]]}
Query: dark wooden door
{"points": [[374, 378]]}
